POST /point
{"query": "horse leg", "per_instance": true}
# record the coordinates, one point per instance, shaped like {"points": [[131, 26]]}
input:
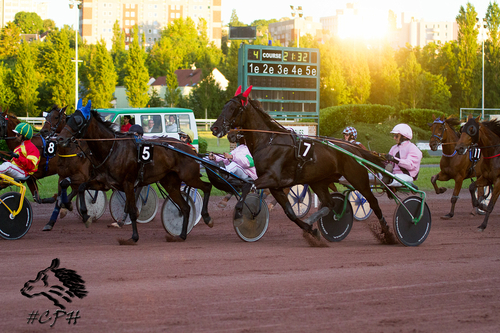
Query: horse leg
{"points": [[64, 184], [280, 196], [454, 198], [172, 185], [206, 188], [434, 180], [238, 209], [53, 217], [131, 210], [489, 209]]}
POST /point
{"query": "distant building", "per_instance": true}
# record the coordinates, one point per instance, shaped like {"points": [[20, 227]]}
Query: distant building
{"points": [[187, 79], [288, 31], [420, 33], [97, 18], [9, 9]]}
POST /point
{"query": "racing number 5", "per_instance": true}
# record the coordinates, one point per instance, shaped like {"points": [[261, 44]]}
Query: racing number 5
{"points": [[145, 153]]}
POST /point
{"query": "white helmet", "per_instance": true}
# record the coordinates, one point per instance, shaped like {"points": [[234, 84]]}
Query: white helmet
{"points": [[404, 130]]}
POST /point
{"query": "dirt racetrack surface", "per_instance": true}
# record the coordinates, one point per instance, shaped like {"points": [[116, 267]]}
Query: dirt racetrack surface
{"points": [[214, 282]]}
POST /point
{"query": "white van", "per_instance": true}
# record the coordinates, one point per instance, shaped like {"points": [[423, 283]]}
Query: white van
{"points": [[159, 121]]}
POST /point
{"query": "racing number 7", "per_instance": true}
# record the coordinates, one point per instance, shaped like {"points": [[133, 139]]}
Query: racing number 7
{"points": [[308, 146]]}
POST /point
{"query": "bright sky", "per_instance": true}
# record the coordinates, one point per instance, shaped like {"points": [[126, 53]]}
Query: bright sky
{"points": [[248, 11]]}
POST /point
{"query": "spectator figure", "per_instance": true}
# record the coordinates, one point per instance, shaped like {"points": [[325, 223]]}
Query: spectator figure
{"points": [[171, 124], [126, 124]]}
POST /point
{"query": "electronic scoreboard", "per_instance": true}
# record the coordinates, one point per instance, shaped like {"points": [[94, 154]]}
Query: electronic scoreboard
{"points": [[284, 79]]}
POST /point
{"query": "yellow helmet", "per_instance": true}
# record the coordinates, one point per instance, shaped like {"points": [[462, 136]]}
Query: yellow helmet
{"points": [[187, 132]]}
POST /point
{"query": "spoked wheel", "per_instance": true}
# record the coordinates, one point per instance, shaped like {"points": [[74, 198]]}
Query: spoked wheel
{"points": [[198, 202], [333, 228], [253, 228], [117, 207], [149, 204], [14, 227], [300, 199], [96, 202], [360, 206], [171, 216], [407, 232], [487, 196]]}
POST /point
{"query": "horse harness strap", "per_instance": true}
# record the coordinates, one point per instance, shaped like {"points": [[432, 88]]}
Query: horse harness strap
{"points": [[304, 152]]}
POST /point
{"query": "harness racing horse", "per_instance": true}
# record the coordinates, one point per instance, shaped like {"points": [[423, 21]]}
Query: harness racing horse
{"points": [[72, 166], [116, 157], [279, 166], [486, 136], [47, 165], [453, 166]]}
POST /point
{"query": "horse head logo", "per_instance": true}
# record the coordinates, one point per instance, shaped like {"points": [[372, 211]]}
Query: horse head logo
{"points": [[57, 284]]}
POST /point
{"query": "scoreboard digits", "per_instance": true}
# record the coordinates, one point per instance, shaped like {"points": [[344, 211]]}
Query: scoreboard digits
{"points": [[285, 80]]}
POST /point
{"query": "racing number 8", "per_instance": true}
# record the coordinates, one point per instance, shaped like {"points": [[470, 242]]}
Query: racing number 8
{"points": [[51, 148]]}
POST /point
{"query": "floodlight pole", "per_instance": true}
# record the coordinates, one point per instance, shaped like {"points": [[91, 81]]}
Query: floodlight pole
{"points": [[78, 4]]}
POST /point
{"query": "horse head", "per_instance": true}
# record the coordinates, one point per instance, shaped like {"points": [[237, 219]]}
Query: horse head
{"points": [[76, 125], [56, 284], [438, 127], [55, 120], [230, 116], [4, 122], [469, 136]]}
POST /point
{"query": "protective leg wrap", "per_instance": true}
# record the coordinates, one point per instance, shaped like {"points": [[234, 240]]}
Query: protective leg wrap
{"points": [[55, 213], [454, 198]]}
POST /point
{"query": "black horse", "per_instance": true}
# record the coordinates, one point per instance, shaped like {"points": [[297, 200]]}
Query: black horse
{"points": [[281, 162], [115, 156]]}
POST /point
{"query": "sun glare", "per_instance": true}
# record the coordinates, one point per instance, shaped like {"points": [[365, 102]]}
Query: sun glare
{"points": [[366, 26]]}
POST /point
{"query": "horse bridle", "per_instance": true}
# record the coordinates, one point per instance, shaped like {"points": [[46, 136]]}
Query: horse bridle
{"points": [[471, 128], [77, 124], [440, 138], [226, 125], [53, 128]]}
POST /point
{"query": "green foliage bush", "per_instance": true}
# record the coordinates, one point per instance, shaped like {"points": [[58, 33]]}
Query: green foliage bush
{"points": [[202, 145], [419, 117], [3, 146], [335, 118]]}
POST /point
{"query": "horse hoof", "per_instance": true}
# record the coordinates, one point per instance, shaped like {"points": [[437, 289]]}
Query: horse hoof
{"points": [[237, 222], [210, 223], [129, 241], [47, 227], [173, 239], [480, 229], [88, 222], [481, 212], [63, 213], [114, 225], [446, 217], [312, 239]]}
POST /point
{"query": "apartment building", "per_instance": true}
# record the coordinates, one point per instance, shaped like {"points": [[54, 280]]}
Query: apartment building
{"points": [[289, 30], [9, 8], [97, 17]]}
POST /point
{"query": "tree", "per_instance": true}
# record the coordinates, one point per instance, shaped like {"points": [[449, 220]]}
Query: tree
{"points": [[101, 76], [172, 93], [58, 81], [235, 21], [26, 82], [412, 83], [136, 80], [9, 40], [385, 85], [492, 58], [118, 53], [436, 93], [48, 25], [7, 97], [207, 97], [468, 60], [29, 23], [333, 86], [356, 73], [154, 99], [230, 68]]}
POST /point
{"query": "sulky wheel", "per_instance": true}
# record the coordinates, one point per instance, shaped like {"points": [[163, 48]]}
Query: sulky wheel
{"points": [[171, 216], [360, 206], [300, 200], [253, 228], [14, 227], [117, 207], [149, 201], [96, 202], [333, 228], [407, 232]]}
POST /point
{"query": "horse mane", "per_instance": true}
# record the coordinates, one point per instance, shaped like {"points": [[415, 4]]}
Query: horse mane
{"points": [[71, 280], [108, 124], [493, 125], [453, 122], [266, 117]]}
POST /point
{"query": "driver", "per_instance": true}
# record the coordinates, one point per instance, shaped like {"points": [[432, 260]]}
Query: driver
{"points": [[25, 157], [350, 135], [404, 156]]}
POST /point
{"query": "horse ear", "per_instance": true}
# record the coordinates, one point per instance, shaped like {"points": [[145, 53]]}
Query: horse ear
{"points": [[63, 110], [478, 118], [433, 117], [247, 92], [429, 124], [54, 264], [238, 91]]}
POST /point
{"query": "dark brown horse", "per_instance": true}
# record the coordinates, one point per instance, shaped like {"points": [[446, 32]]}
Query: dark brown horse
{"points": [[279, 164], [453, 166], [72, 166], [115, 156], [46, 167], [485, 136]]}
